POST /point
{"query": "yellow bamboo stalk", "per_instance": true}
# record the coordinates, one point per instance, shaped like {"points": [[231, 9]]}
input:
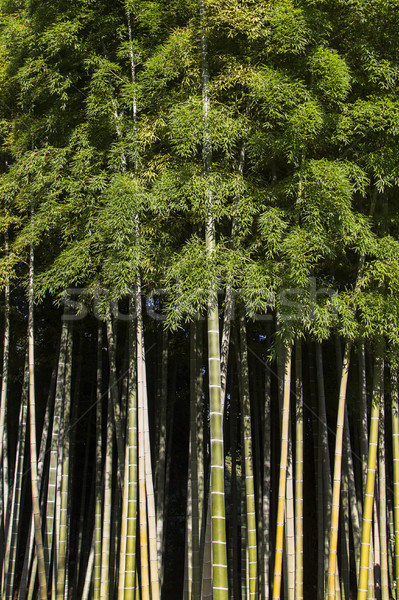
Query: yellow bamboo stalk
{"points": [[143, 520], [362, 593], [283, 477], [332, 561]]}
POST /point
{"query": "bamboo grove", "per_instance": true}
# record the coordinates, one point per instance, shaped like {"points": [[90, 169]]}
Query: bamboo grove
{"points": [[199, 275]]}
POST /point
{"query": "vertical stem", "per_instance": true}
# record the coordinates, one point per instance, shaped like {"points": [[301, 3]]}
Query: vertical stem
{"points": [[10, 562], [194, 584], [3, 398], [395, 450], [266, 503], [161, 459], [383, 507], [248, 467], [218, 528], [32, 431], [99, 436], [62, 574], [283, 476], [332, 562], [323, 445], [371, 471], [298, 473], [131, 562], [106, 577], [144, 563], [318, 460]]}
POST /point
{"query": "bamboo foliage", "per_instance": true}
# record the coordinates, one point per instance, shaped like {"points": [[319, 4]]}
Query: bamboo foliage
{"points": [[190, 159]]}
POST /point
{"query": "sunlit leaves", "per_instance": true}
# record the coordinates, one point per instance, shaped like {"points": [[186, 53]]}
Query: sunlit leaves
{"points": [[187, 128], [272, 227], [276, 93], [330, 75]]}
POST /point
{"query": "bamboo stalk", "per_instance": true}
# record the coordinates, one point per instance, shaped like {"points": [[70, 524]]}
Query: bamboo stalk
{"points": [[283, 477], [32, 437], [248, 468], [395, 451], [10, 561], [3, 410], [131, 560], [385, 595], [332, 563], [371, 472], [299, 448], [98, 475], [107, 506]]}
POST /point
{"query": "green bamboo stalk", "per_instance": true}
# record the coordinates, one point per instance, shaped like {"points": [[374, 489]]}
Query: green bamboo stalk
{"points": [[234, 575], [266, 500], [385, 595], [318, 464], [107, 506], [32, 437], [395, 452], [289, 531], [224, 354], [188, 543], [248, 467], [52, 477], [113, 391], [62, 524], [10, 561], [375, 557], [123, 529], [326, 467], [29, 558], [391, 543], [130, 569], [3, 409], [243, 510], [299, 444], [363, 435], [257, 421], [144, 549], [218, 528], [344, 524], [149, 485], [193, 567], [89, 570], [371, 471], [162, 450], [353, 500], [98, 476]]}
